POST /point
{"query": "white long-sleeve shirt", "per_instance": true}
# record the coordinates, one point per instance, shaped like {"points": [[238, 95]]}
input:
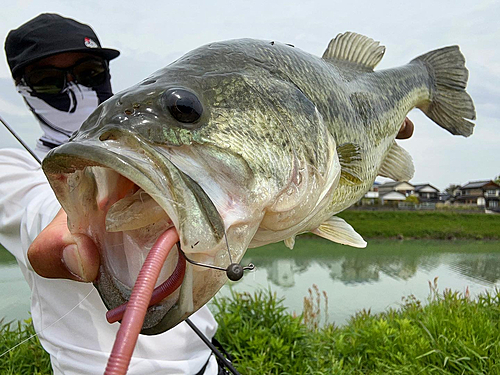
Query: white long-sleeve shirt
{"points": [[70, 316]]}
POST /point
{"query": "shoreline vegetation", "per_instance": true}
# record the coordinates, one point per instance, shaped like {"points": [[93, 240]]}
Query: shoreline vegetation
{"points": [[439, 225], [450, 333]]}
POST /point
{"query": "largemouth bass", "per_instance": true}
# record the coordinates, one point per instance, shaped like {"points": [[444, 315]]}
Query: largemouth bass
{"points": [[239, 144]]}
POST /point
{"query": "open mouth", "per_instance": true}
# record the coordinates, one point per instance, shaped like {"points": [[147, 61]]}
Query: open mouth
{"points": [[133, 221], [125, 201]]}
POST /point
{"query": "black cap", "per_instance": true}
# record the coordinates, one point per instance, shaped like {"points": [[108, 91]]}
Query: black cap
{"points": [[49, 34]]}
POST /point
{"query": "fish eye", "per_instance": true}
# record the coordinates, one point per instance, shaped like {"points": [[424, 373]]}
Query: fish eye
{"points": [[183, 105]]}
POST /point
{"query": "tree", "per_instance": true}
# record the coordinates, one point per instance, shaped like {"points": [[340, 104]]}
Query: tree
{"points": [[497, 179], [412, 199], [450, 189]]}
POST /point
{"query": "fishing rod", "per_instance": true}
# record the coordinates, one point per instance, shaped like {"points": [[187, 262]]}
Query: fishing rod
{"points": [[20, 140], [200, 334]]}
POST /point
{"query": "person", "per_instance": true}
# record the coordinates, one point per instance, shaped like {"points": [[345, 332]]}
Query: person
{"points": [[62, 73]]}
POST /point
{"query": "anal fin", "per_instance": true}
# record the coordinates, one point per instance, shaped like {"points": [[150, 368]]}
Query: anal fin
{"points": [[338, 230]]}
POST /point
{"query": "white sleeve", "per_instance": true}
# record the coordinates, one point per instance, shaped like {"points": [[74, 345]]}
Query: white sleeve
{"points": [[26, 200], [70, 316]]}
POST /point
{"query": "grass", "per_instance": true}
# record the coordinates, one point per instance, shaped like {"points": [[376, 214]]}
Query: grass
{"points": [[423, 225], [27, 358], [450, 334]]}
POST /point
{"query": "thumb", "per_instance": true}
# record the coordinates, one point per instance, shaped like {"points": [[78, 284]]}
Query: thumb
{"points": [[57, 253]]}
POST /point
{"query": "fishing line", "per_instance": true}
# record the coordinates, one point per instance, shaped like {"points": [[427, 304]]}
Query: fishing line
{"points": [[91, 290], [57, 321], [234, 271]]}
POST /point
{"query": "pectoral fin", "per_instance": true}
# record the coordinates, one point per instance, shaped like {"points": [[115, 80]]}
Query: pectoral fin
{"points": [[337, 230], [397, 165], [351, 163]]}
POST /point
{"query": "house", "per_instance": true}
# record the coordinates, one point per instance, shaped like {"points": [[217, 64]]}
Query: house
{"points": [[371, 196], [394, 191], [482, 193], [427, 193], [444, 197]]}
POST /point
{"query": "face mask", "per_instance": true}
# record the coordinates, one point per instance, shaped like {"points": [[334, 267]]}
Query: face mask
{"points": [[62, 114]]}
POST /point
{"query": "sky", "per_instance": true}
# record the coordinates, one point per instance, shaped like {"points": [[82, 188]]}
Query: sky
{"points": [[151, 34]]}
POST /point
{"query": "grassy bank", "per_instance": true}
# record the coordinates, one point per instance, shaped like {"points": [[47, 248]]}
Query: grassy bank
{"points": [[452, 334], [423, 225]]}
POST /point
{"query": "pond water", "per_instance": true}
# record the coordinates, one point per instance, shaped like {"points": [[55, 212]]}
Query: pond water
{"points": [[374, 278]]}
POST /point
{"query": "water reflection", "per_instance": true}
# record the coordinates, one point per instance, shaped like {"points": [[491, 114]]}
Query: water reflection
{"points": [[485, 268], [398, 260], [374, 278], [354, 279]]}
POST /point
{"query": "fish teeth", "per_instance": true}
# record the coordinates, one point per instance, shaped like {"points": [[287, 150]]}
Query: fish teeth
{"points": [[134, 212]]}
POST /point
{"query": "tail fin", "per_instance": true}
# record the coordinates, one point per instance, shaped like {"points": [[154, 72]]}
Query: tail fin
{"points": [[450, 105]]}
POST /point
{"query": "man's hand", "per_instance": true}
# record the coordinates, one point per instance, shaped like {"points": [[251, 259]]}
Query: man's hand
{"points": [[406, 130], [56, 253]]}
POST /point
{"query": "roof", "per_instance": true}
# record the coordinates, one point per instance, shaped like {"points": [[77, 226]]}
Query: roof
{"points": [[394, 183], [478, 184], [421, 186]]}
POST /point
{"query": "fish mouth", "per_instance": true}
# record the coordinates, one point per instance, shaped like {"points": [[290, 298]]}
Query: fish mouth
{"points": [[123, 195]]}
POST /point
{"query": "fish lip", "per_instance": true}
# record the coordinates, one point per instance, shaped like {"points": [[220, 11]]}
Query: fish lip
{"points": [[72, 157]]}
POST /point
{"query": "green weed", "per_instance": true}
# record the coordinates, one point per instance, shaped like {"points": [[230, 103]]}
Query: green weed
{"points": [[452, 334], [449, 334], [27, 358]]}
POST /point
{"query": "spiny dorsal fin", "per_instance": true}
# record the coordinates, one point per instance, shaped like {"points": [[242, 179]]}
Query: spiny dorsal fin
{"points": [[355, 48], [398, 164], [350, 162], [337, 230]]}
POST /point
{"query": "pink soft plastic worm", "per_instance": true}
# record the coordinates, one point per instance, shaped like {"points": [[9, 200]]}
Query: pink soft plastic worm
{"points": [[138, 303], [160, 292]]}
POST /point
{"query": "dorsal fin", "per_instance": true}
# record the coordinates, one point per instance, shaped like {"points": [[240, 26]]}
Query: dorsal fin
{"points": [[355, 48]]}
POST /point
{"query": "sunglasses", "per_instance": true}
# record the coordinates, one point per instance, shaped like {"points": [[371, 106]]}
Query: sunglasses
{"points": [[50, 80]]}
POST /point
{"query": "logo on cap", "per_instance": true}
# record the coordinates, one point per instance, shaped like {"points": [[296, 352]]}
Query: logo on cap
{"points": [[90, 43]]}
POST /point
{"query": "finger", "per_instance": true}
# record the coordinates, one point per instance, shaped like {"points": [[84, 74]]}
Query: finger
{"points": [[406, 130], [56, 253]]}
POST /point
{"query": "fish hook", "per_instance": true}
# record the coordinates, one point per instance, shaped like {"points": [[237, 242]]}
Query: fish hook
{"points": [[234, 271]]}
